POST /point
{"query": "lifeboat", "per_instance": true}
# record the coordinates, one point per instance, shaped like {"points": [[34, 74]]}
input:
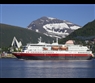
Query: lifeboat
{"points": [[63, 48], [44, 48], [55, 48]]}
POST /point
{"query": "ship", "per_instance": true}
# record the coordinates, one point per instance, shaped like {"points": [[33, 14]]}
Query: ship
{"points": [[54, 51]]}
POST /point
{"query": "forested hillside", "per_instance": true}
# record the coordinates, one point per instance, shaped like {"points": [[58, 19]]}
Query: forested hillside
{"points": [[7, 33], [87, 32]]}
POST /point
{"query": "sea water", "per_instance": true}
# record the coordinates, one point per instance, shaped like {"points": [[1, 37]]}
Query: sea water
{"points": [[15, 68]]}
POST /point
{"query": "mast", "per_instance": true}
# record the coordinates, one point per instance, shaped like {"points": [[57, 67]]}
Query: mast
{"points": [[56, 39], [39, 39]]}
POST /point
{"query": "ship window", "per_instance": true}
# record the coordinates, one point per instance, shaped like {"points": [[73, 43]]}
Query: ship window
{"points": [[88, 50], [24, 48], [37, 45]]}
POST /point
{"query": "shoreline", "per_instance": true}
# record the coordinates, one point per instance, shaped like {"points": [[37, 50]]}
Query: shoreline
{"points": [[8, 56]]}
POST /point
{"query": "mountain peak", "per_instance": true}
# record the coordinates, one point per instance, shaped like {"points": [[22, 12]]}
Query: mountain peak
{"points": [[47, 17], [53, 27], [51, 18]]}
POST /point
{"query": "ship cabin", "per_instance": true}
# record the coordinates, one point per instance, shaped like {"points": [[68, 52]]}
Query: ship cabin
{"points": [[40, 46]]}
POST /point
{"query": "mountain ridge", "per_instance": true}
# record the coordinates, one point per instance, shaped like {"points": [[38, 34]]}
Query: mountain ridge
{"points": [[87, 32], [53, 27]]}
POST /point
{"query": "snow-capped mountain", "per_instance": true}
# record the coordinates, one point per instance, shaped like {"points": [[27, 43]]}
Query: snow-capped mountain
{"points": [[53, 27]]}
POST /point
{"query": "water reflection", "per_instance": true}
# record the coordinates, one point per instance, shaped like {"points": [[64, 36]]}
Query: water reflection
{"points": [[47, 69]]}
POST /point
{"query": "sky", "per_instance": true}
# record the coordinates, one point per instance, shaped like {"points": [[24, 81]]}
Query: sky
{"points": [[23, 14]]}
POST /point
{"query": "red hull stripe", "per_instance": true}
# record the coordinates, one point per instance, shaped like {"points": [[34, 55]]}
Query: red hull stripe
{"points": [[41, 54]]}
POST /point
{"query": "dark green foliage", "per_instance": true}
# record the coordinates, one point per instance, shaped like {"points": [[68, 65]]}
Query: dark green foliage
{"points": [[87, 32], [7, 33]]}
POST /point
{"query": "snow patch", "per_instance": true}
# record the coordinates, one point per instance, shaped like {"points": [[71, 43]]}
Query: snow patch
{"points": [[56, 26], [74, 27], [37, 30], [50, 18], [69, 23], [47, 21]]}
